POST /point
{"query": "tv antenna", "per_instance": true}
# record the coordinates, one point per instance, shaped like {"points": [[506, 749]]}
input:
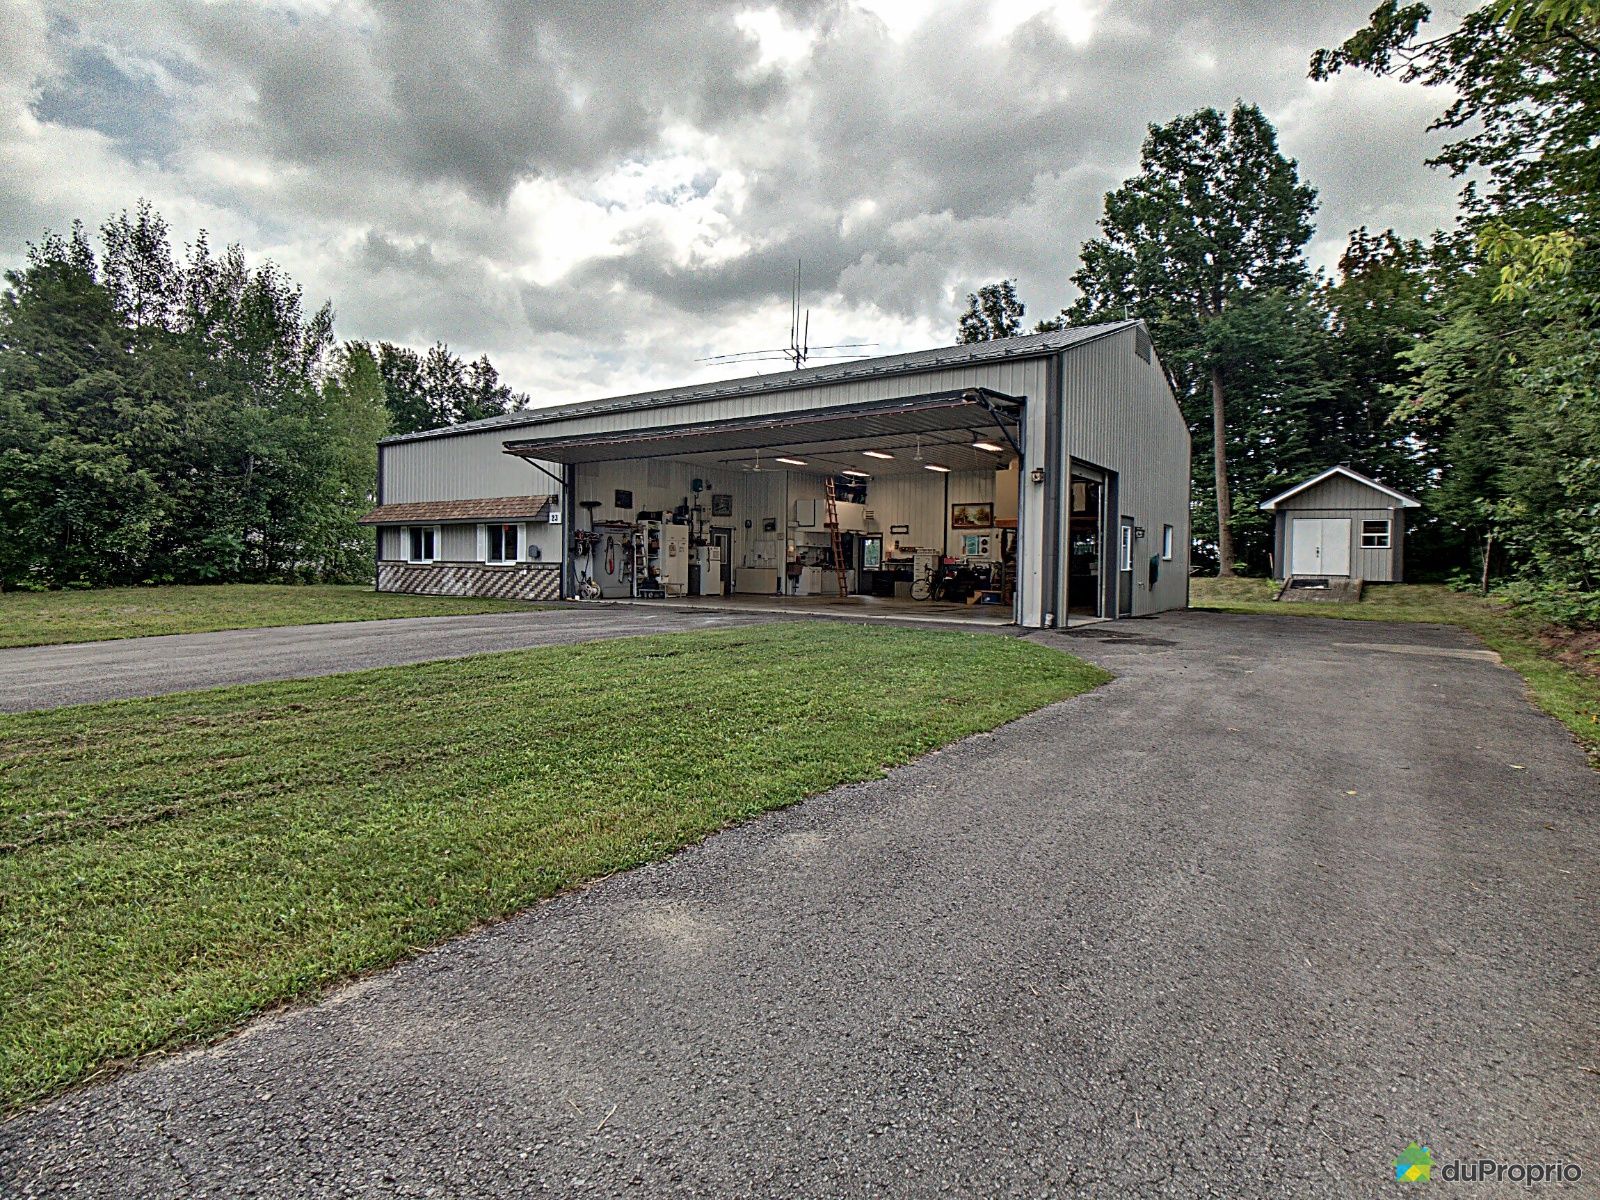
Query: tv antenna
{"points": [[799, 351]]}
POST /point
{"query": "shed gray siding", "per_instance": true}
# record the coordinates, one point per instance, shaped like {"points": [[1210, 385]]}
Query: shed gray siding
{"points": [[1341, 497], [1120, 416]]}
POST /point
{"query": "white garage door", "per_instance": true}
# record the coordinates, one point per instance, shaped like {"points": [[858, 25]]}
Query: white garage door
{"points": [[1319, 546]]}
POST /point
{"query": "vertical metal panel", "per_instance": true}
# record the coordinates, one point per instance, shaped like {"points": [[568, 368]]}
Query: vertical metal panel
{"points": [[1120, 415], [1341, 496], [1338, 491], [1373, 565], [468, 467]]}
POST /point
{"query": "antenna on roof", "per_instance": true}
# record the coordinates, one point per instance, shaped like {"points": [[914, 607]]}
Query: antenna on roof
{"points": [[799, 350], [799, 343]]}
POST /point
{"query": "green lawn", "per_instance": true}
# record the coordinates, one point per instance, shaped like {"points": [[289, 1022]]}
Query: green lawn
{"points": [[1523, 642], [48, 618], [172, 866]]}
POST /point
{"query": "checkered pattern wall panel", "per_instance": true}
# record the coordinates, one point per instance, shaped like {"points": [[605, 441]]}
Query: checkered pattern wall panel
{"points": [[534, 581]]}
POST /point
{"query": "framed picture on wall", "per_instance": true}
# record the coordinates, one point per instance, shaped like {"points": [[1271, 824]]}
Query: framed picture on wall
{"points": [[972, 516], [721, 504]]}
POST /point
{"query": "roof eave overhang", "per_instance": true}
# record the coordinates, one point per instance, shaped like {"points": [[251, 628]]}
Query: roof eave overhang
{"points": [[768, 385], [1403, 501], [759, 432]]}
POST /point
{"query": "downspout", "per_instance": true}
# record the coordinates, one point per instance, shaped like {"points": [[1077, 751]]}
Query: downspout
{"points": [[1022, 513], [944, 551], [569, 586], [377, 530], [1050, 606]]}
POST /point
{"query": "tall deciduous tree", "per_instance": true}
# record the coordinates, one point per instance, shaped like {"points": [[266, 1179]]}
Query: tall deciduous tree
{"points": [[1215, 216], [1506, 376], [427, 391], [993, 311]]}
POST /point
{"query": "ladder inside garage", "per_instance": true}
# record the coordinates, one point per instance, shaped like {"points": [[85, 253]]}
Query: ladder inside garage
{"points": [[833, 534]]}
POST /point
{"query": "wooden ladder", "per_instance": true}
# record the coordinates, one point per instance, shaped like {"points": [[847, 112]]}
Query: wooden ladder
{"points": [[833, 534]]}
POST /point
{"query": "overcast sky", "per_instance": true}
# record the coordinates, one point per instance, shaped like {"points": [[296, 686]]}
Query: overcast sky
{"points": [[600, 193]]}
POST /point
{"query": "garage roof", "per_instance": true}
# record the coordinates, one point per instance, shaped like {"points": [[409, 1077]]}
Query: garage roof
{"points": [[1401, 499], [939, 428], [1035, 345], [498, 508]]}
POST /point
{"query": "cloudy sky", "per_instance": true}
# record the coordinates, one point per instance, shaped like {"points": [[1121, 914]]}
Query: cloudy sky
{"points": [[600, 193]]}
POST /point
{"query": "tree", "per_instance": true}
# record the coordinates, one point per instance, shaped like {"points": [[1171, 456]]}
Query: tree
{"points": [[1215, 216], [1505, 377], [1379, 306], [993, 311], [427, 391], [1526, 94]]}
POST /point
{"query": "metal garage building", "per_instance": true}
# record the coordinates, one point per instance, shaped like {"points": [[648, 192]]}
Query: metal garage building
{"points": [[1339, 525], [1029, 477]]}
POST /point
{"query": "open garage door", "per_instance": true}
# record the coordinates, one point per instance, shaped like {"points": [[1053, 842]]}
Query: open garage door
{"points": [[908, 506]]}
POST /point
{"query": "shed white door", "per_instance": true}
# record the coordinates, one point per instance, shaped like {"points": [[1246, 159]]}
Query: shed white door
{"points": [[1319, 546]]}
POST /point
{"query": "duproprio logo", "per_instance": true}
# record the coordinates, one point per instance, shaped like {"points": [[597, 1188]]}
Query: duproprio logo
{"points": [[1414, 1165]]}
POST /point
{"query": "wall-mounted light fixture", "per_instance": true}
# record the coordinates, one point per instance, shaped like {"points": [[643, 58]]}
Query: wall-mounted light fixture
{"points": [[1037, 475], [1138, 533]]}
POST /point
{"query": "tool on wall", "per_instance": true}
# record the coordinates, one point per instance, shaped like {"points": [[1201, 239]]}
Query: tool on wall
{"points": [[833, 534]]}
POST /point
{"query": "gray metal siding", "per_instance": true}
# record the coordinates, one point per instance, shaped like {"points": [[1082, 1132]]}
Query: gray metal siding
{"points": [[1373, 565], [1338, 491], [470, 467], [1343, 497], [1120, 415]]}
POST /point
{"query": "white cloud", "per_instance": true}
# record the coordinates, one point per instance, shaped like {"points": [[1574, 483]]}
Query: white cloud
{"points": [[598, 198]]}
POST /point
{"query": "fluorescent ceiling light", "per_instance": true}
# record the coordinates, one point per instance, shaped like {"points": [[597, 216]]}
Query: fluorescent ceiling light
{"points": [[936, 467], [987, 446], [858, 474], [793, 462], [876, 454]]}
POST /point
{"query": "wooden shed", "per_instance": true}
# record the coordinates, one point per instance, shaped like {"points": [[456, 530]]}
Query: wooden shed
{"points": [[1339, 525]]}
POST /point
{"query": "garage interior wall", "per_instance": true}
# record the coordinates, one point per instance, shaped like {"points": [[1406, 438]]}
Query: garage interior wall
{"points": [[917, 501]]}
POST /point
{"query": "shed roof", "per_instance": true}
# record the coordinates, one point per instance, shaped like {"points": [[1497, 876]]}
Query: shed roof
{"points": [[1403, 501], [1035, 345], [495, 508]]}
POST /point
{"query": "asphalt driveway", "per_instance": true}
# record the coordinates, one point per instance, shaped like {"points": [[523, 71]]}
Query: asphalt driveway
{"points": [[1285, 896], [85, 672]]}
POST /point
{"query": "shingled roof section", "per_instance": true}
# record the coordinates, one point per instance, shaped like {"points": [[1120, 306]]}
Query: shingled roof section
{"points": [[496, 508]]}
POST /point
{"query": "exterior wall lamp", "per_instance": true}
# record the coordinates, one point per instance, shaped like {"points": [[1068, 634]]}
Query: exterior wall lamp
{"points": [[1036, 475]]}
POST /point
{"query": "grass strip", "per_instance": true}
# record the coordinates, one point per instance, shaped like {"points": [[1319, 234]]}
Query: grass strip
{"points": [[172, 866], [55, 618]]}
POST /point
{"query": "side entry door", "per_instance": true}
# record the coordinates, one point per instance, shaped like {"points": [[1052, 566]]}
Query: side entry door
{"points": [[1125, 569]]}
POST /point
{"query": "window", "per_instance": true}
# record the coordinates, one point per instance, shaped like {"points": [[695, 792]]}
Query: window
{"points": [[420, 543], [1127, 547], [502, 543], [1166, 542], [1374, 535]]}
